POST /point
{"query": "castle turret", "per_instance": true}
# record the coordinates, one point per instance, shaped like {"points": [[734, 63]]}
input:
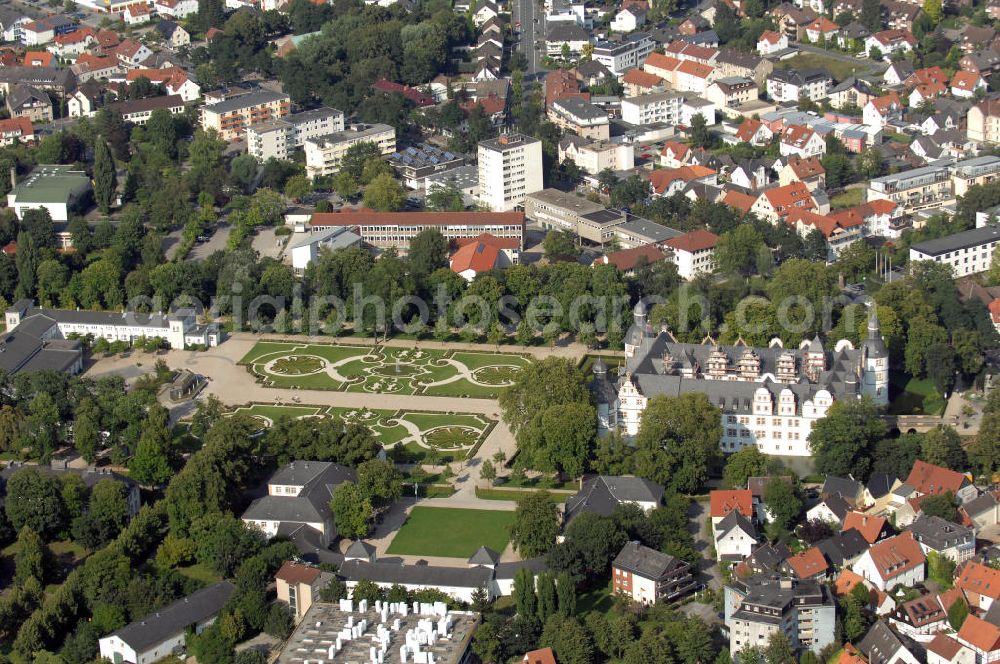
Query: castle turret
{"points": [[636, 333], [875, 370]]}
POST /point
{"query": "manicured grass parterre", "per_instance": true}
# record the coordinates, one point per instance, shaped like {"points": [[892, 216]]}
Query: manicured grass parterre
{"points": [[507, 494], [452, 435], [451, 532], [383, 370]]}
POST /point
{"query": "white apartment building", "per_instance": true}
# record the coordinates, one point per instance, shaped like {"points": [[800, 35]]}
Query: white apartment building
{"points": [[916, 189], [279, 138], [621, 56], [968, 252], [510, 167], [693, 253], [789, 85], [595, 157], [324, 153], [652, 108]]}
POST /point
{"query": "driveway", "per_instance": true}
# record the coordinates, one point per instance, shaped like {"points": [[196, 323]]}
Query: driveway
{"points": [[708, 570], [216, 242], [269, 245]]}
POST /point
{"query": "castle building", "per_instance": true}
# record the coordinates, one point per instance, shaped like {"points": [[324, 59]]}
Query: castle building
{"points": [[768, 397]]}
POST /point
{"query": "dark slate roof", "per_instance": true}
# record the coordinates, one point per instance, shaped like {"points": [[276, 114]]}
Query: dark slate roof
{"points": [[22, 94], [174, 619], [303, 472], [603, 493], [843, 547], [838, 506], [39, 76], [25, 349], [485, 556], [563, 31], [318, 480], [359, 549], [880, 485], [425, 575], [769, 556], [90, 476], [880, 644], [939, 534], [735, 520], [841, 486], [985, 502], [647, 563]]}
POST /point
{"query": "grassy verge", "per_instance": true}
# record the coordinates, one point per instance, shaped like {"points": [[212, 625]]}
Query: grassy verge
{"points": [[500, 494]]}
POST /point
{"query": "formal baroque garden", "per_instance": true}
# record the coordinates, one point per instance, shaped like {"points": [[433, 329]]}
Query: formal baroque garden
{"points": [[383, 370], [447, 436]]}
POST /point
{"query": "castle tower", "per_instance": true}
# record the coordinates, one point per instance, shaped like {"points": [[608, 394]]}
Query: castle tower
{"points": [[875, 378], [636, 333]]}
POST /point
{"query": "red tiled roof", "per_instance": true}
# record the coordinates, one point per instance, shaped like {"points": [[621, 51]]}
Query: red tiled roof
{"points": [[868, 525], [739, 200], [724, 502], [823, 24], [12, 125], [944, 646], [806, 167], [691, 50], [896, 555], [975, 577], [480, 254], [965, 80], [663, 177], [296, 573], [696, 240], [696, 69], [641, 78], [412, 94], [661, 61], [809, 563], [770, 37], [880, 206], [540, 656], [10, 248], [367, 217], [791, 196], [924, 610], [981, 634], [846, 582], [628, 258], [37, 59], [78, 35], [887, 102], [889, 37], [930, 75], [928, 478], [797, 136], [748, 129]]}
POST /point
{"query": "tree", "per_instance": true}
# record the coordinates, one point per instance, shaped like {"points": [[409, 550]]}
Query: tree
{"points": [[380, 483], [746, 463], [33, 500], [560, 244], [352, 510], [32, 559], [356, 156], [105, 179], [783, 504], [842, 442], [536, 524], [26, 261], [223, 542], [941, 367], [871, 15], [957, 613], [345, 184], [597, 538], [150, 466], [570, 642], [488, 472], [942, 505], [700, 136], [736, 252], [523, 593], [942, 446], [445, 199], [278, 623], [933, 10], [384, 194], [297, 186], [678, 440], [428, 252], [940, 569], [869, 164]]}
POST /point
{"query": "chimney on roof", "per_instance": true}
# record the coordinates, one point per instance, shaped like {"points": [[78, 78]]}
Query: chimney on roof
{"points": [[13, 177]]}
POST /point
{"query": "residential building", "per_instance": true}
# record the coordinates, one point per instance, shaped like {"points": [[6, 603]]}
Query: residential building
{"points": [[881, 645], [769, 397], [808, 170], [660, 107], [175, 80], [173, 34], [844, 549], [581, 117], [57, 188], [810, 565], [982, 638], [888, 42], [603, 494], [138, 111], [629, 18], [775, 204], [928, 187], [232, 116], [929, 479], [510, 167], [831, 509], [557, 210], [177, 9], [894, 561], [279, 138], [801, 141], [297, 504], [754, 132], [983, 121], [944, 649], [724, 501], [873, 528], [822, 29], [693, 253], [627, 261], [757, 607], [483, 253], [324, 153], [621, 56], [839, 232], [732, 62], [28, 102], [395, 229], [305, 245], [298, 585], [595, 157], [788, 85], [12, 22], [43, 30], [732, 91], [179, 329], [734, 537], [417, 162], [16, 130], [975, 171], [984, 511], [980, 584], [921, 618], [567, 34], [648, 576], [771, 42], [157, 635], [137, 14], [73, 43], [945, 538]]}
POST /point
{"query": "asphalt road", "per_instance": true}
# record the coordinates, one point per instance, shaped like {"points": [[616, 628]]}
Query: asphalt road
{"points": [[526, 11]]}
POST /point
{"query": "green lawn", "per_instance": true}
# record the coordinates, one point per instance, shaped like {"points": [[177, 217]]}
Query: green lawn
{"points": [[382, 370], [915, 397], [598, 599], [848, 198], [839, 69], [200, 572], [451, 532]]}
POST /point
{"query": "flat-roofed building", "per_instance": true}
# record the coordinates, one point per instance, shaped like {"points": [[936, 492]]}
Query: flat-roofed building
{"points": [[597, 156], [324, 153], [396, 229], [621, 56], [417, 162], [638, 231], [278, 138], [558, 210], [968, 252], [664, 107], [922, 188], [55, 187], [230, 117], [580, 116], [510, 168], [972, 172]]}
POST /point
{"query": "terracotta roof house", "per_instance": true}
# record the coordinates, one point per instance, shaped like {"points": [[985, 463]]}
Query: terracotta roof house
{"points": [[722, 502], [979, 582], [982, 637], [775, 204], [540, 656], [413, 95], [482, 254], [872, 528], [926, 478], [846, 582], [895, 561], [739, 200], [810, 564], [627, 260]]}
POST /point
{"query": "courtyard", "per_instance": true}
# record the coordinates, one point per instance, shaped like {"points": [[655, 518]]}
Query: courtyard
{"points": [[451, 532], [444, 436], [383, 370]]}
